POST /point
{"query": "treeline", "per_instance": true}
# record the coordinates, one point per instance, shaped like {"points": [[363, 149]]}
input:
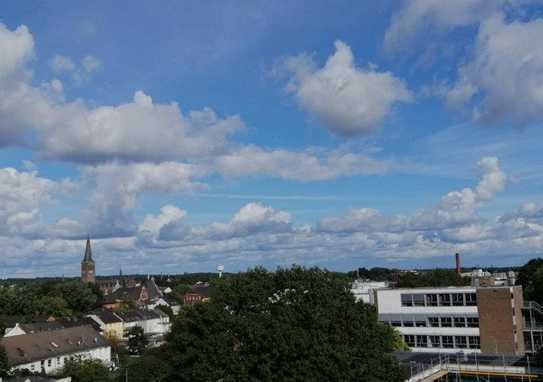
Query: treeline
{"points": [[406, 279], [58, 299]]}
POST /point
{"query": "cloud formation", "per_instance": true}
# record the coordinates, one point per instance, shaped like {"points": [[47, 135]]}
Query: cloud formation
{"points": [[505, 73], [346, 99], [417, 16]]}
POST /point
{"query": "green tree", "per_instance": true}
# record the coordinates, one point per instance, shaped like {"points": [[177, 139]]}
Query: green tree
{"points": [[290, 325], [79, 297], [90, 370], [153, 366], [137, 341], [51, 306], [530, 276], [4, 363]]}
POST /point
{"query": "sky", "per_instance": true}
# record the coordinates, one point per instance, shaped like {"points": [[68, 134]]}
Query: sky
{"points": [[181, 135]]}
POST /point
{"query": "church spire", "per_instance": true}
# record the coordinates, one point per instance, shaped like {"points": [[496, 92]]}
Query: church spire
{"points": [[88, 252]]}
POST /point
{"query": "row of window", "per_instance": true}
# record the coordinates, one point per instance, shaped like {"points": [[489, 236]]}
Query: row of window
{"points": [[439, 299], [445, 342], [438, 322]]}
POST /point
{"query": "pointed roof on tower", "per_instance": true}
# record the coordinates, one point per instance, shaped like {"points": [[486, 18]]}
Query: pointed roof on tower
{"points": [[88, 252]]}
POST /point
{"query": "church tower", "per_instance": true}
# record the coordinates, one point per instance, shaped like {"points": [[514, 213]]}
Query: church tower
{"points": [[87, 265]]}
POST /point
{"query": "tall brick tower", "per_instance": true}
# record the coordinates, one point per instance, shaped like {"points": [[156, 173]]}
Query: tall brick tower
{"points": [[87, 265]]}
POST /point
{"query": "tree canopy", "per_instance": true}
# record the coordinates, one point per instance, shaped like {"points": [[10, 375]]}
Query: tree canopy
{"points": [[530, 276], [88, 370], [289, 325], [59, 299]]}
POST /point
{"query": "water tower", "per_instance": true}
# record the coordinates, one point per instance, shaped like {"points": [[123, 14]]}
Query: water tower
{"points": [[220, 269]]}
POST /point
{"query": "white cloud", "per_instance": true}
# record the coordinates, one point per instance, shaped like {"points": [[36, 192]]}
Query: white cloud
{"points": [[116, 188], [417, 16], [303, 166], [23, 194], [16, 46], [60, 64], [505, 73], [346, 99]]}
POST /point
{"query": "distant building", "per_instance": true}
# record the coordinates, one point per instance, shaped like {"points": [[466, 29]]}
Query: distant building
{"points": [[456, 319], [87, 265], [199, 292], [111, 325], [147, 295], [48, 351], [364, 290]]}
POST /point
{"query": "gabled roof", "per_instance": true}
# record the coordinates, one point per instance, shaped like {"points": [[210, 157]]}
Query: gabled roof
{"points": [[124, 294], [34, 347], [37, 327], [106, 316], [153, 291]]}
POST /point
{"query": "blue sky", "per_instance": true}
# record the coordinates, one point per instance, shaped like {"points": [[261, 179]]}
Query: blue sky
{"points": [[188, 134]]}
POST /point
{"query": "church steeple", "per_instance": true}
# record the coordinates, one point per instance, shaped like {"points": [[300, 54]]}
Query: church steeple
{"points": [[88, 252], [87, 265]]}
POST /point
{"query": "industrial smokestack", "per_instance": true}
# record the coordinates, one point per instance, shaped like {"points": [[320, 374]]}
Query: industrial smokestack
{"points": [[457, 258]]}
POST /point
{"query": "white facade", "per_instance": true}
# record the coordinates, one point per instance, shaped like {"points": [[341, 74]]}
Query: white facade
{"points": [[433, 319], [364, 290], [54, 364]]}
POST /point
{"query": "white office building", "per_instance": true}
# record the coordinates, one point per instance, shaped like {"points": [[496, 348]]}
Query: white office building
{"points": [[455, 319]]}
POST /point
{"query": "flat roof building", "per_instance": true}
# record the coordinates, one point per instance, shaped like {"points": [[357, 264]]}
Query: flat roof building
{"points": [[456, 319]]}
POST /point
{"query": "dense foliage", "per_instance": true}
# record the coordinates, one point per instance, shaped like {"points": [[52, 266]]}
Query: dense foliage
{"points": [[289, 325], [86, 371], [59, 299], [4, 364], [136, 340], [530, 276]]}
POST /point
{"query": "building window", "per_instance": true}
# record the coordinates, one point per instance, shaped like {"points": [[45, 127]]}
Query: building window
{"points": [[420, 324], [473, 322], [433, 322], [408, 323], [445, 300], [446, 322], [447, 342], [459, 322], [474, 342], [49, 362], [422, 341], [418, 299], [460, 342], [431, 300], [471, 299], [407, 300], [395, 323], [409, 340], [435, 341], [458, 299]]}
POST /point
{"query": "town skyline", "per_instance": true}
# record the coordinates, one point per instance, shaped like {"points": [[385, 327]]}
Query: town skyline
{"points": [[186, 136]]}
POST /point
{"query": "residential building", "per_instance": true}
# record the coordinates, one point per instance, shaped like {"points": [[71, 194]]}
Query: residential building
{"points": [[48, 351], [110, 324], [147, 295], [199, 292], [456, 319]]}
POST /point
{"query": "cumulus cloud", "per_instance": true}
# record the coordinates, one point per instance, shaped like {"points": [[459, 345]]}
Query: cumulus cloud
{"points": [[16, 46], [23, 194], [304, 166], [419, 15], [346, 99], [116, 188], [505, 73]]}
